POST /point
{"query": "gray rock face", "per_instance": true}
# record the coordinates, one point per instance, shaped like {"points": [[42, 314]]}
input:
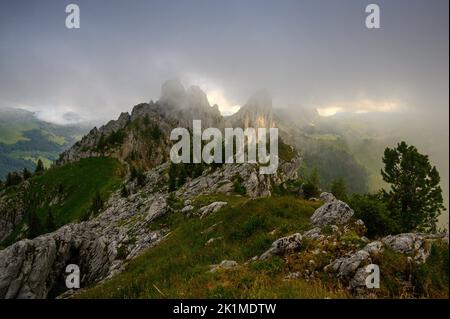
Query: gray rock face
{"points": [[283, 245], [255, 184], [12, 211], [257, 112], [404, 243], [187, 209], [414, 244], [346, 267], [334, 212], [157, 208], [359, 280], [374, 248], [352, 267], [30, 268]]}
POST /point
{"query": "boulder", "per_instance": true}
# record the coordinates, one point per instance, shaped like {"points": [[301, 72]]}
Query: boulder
{"points": [[327, 197], [345, 267], [314, 233], [333, 212], [415, 244], [157, 208], [187, 209], [283, 245], [374, 248]]}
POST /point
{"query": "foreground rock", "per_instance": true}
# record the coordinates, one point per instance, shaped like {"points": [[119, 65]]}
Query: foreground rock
{"points": [[351, 269], [31, 268], [334, 212], [283, 245], [415, 244]]}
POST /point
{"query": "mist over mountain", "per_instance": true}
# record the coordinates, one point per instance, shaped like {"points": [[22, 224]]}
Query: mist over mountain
{"points": [[114, 200]]}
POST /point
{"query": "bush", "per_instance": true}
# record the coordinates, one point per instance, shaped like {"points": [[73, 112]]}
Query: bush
{"points": [[12, 179], [39, 166], [124, 191], [97, 203], [238, 188], [138, 175], [338, 189], [431, 278], [373, 211], [310, 190], [254, 224]]}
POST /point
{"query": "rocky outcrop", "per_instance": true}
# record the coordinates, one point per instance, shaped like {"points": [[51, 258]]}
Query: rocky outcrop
{"points": [[257, 112], [327, 197], [99, 246], [211, 208], [12, 209], [255, 184], [283, 246], [177, 107], [333, 212], [415, 244]]}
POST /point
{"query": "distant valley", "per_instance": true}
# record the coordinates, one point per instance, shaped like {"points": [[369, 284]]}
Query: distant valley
{"points": [[24, 139]]}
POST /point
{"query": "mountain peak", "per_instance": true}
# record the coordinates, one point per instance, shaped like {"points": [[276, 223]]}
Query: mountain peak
{"points": [[257, 112], [197, 98], [173, 92], [261, 100]]}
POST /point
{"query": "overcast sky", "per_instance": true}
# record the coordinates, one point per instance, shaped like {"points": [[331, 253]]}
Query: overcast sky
{"points": [[307, 53]]}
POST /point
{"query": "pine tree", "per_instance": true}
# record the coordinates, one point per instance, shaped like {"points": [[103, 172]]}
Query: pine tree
{"points": [[182, 175], [34, 225], [313, 178], [50, 222], [39, 166], [124, 191], [97, 203], [415, 197], [338, 189], [172, 177], [13, 178], [26, 174]]}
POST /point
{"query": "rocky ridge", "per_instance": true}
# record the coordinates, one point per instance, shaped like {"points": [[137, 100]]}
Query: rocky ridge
{"points": [[103, 244], [334, 222]]}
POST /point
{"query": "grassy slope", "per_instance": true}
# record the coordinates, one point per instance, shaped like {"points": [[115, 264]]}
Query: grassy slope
{"points": [[178, 267], [11, 133], [80, 181]]}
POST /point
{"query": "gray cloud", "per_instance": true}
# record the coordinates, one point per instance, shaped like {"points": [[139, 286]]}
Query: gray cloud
{"points": [[314, 54]]}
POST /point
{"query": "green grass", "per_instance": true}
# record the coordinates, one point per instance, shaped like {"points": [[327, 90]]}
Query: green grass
{"points": [[11, 133], [76, 184], [178, 267], [431, 278]]}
